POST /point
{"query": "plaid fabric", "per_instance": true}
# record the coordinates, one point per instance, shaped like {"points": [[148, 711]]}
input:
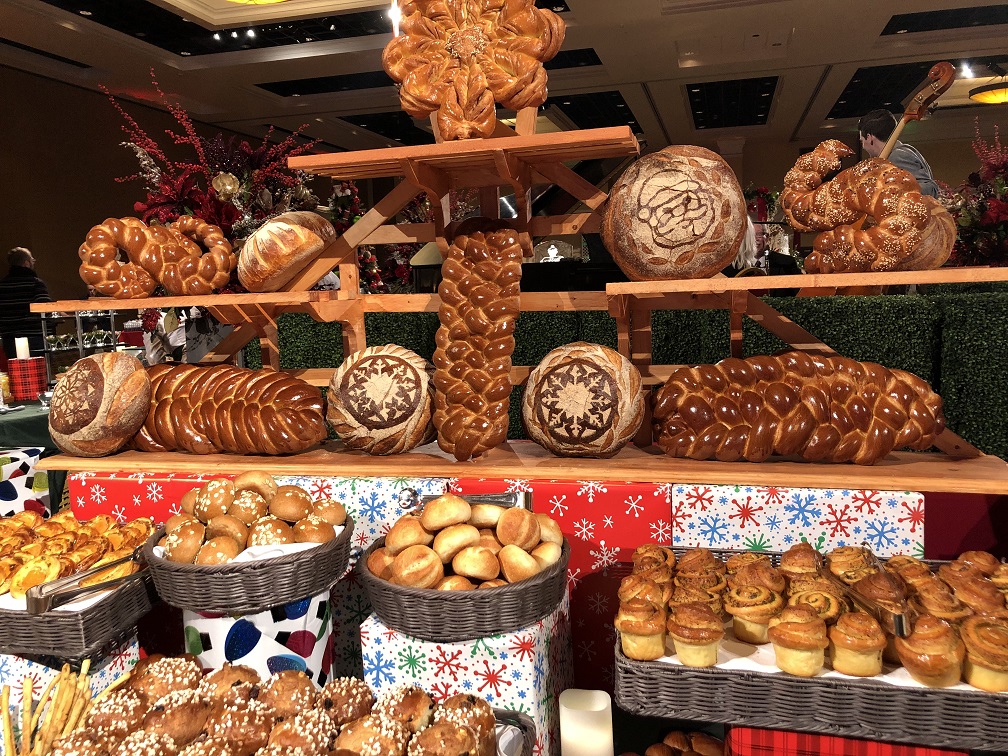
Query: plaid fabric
{"points": [[27, 378], [755, 741]]}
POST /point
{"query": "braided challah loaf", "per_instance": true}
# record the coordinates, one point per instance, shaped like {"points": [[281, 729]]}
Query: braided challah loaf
{"points": [[831, 409], [472, 362], [208, 410]]}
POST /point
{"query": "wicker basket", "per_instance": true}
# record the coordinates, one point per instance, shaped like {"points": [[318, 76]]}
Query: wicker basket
{"points": [[75, 635], [251, 587], [447, 616], [524, 723], [851, 708]]}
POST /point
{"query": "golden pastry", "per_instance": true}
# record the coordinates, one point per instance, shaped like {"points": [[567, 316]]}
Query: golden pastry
{"points": [[799, 640], [743, 558], [636, 586], [986, 640], [641, 625], [751, 608], [686, 594], [800, 559], [933, 654], [698, 561], [826, 604], [758, 573], [696, 633], [936, 599], [885, 588], [986, 563], [652, 555], [856, 645]]}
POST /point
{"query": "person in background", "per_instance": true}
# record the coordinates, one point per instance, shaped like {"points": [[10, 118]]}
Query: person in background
{"points": [[18, 290], [875, 128]]}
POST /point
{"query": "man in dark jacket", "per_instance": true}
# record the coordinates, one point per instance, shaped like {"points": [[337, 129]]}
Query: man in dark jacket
{"points": [[18, 290], [875, 128]]}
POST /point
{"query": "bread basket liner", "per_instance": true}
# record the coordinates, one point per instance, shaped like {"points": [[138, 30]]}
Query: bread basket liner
{"points": [[848, 707], [524, 724], [75, 634], [251, 587], [448, 616]]}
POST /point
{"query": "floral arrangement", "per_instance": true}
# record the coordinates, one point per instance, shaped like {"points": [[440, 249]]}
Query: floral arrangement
{"points": [[762, 204], [230, 183], [980, 207]]}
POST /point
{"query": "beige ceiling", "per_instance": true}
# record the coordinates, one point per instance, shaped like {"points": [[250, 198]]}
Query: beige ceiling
{"points": [[650, 50]]}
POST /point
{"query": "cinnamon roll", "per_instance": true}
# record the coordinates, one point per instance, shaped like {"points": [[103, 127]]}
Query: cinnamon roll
{"points": [[800, 559], [884, 588], [799, 640], [810, 582], [954, 572], [935, 599], [641, 625], [737, 561], [696, 632], [712, 581], [933, 653], [986, 640], [687, 594], [979, 594], [1000, 578], [826, 604], [915, 575], [637, 586], [856, 645], [751, 608], [898, 561], [986, 563], [698, 561], [662, 574], [758, 573], [652, 555]]}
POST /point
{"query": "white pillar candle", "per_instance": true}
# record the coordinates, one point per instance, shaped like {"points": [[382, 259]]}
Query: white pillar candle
{"points": [[21, 347], [585, 723]]}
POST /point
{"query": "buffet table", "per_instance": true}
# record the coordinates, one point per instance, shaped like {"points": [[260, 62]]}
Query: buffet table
{"points": [[29, 427]]}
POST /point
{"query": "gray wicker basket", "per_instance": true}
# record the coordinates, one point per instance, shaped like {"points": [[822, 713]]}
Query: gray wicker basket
{"points": [[524, 723], [251, 587], [850, 708], [75, 635], [447, 616]]}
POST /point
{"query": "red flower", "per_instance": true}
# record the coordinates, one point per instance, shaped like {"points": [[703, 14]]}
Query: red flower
{"points": [[997, 212]]}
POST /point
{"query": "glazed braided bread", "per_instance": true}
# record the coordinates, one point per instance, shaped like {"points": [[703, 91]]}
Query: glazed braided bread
{"points": [[208, 410], [472, 362], [831, 409]]}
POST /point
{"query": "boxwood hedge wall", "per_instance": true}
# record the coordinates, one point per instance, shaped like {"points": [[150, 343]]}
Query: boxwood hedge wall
{"points": [[956, 341]]}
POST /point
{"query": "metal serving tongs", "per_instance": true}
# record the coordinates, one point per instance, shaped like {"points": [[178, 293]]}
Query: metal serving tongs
{"points": [[898, 623], [42, 598], [410, 498]]}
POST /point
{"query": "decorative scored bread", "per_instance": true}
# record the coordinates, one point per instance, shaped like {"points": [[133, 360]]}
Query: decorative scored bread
{"points": [[99, 404], [281, 248], [381, 400], [583, 400], [208, 410], [456, 57], [677, 213], [831, 409], [479, 306], [911, 232]]}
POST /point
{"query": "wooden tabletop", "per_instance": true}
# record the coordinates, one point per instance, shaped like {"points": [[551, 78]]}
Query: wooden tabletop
{"points": [[902, 471]]}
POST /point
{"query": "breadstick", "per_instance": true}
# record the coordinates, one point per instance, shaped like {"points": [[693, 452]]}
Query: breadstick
{"points": [[57, 711], [27, 690], [43, 699], [118, 683], [80, 697], [8, 728]]}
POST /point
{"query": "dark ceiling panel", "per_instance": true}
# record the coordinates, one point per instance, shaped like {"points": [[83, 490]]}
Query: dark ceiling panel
{"points": [[943, 20], [888, 86], [727, 104], [596, 110], [36, 51], [580, 58], [395, 125], [328, 84], [163, 28]]}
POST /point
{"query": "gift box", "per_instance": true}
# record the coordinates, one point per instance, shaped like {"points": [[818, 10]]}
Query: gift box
{"points": [[21, 486], [127, 496], [28, 378], [521, 671], [297, 636], [756, 741]]}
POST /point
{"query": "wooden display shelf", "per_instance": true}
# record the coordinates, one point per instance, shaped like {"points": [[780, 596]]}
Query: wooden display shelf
{"points": [[526, 460]]}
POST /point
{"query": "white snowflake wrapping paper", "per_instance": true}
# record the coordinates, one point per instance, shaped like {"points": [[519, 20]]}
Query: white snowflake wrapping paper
{"points": [[521, 671], [767, 518]]}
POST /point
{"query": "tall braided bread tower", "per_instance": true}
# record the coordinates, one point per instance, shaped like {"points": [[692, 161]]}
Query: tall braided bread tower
{"points": [[472, 362]]}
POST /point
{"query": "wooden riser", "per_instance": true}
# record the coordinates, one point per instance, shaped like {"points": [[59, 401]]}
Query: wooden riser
{"points": [[526, 460]]}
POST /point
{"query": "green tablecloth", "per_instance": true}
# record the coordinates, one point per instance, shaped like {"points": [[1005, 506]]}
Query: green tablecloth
{"points": [[29, 427]]}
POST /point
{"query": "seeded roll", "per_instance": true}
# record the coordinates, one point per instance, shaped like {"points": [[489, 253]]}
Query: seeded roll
{"points": [[799, 640], [826, 604], [642, 629], [800, 559], [752, 607], [758, 573]]}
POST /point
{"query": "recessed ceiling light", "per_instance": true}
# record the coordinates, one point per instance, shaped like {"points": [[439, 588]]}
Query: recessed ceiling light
{"points": [[695, 90], [332, 27], [217, 36], [901, 31], [309, 39], [185, 53], [295, 95], [765, 94], [84, 12], [967, 72], [318, 120], [250, 33], [141, 34], [234, 35]]}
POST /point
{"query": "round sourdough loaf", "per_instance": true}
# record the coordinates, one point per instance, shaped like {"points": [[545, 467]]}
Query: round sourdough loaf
{"points": [[677, 213], [583, 400], [281, 248], [381, 400], [99, 404]]}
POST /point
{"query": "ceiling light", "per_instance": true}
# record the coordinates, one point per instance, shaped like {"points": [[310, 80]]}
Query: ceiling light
{"points": [[185, 53], [901, 31], [250, 33], [234, 34], [84, 12], [217, 36], [256, 2], [967, 72], [991, 94]]}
